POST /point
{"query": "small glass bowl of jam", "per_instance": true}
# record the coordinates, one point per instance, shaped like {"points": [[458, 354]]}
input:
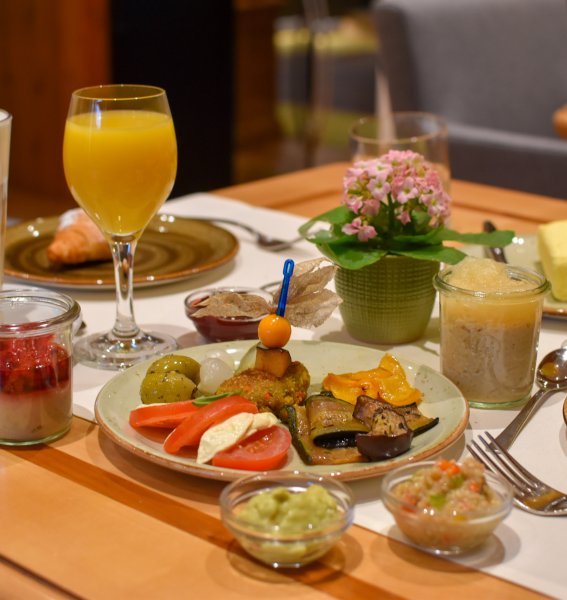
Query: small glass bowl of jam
{"points": [[36, 365], [224, 329]]}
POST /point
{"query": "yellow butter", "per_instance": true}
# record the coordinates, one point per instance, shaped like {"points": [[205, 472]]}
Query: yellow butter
{"points": [[552, 249]]}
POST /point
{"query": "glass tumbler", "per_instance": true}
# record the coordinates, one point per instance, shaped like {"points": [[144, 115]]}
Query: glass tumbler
{"points": [[36, 365], [5, 130], [489, 339]]}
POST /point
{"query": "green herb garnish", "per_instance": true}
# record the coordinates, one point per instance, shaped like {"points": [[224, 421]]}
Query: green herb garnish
{"points": [[204, 400]]}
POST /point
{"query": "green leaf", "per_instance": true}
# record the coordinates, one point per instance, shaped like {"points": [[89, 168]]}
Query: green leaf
{"points": [[494, 238], [336, 216], [346, 251], [328, 237], [430, 238], [437, 253], [351, 256], [419, 219]]}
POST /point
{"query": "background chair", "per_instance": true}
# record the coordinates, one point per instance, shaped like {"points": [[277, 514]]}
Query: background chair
{"points": [[496, 70]]}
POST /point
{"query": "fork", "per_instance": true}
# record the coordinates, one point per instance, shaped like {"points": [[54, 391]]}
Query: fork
{"points": [[264, 241], [530, 494]]}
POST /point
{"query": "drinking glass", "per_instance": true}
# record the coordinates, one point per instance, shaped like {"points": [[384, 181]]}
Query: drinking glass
{"points": [[424, 133], [5, 129], [120, 161]]}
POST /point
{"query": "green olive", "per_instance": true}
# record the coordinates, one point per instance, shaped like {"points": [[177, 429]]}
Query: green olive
{"points": [[175, 362], [170, 386]]}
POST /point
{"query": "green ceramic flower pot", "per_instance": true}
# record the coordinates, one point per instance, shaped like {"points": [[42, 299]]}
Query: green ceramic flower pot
{"points": [[389, 302]]}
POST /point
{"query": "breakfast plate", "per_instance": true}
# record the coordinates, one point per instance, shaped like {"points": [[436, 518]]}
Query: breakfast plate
{"points": [[441, 398], [170, 249], [522, 252]]}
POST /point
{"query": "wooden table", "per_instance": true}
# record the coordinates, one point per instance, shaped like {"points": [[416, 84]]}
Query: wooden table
{"points": [[82, 518]]}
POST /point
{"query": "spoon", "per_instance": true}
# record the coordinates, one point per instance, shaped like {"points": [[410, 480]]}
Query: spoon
{"points": [[551, 376]]}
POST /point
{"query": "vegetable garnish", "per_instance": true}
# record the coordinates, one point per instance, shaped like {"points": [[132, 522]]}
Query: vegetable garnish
{"points": [[204, 400], [274, 330]]}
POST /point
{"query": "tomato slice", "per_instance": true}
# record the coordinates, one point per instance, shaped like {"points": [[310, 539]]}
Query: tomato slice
{"points": [[162, 415], [262, 451], [190, 430]]}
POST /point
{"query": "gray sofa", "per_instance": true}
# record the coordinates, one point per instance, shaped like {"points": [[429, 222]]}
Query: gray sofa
{"points": [[496, 70]]}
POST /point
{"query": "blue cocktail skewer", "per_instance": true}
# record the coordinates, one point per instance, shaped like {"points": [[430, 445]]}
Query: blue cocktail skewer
{"points": [[287, 273]]}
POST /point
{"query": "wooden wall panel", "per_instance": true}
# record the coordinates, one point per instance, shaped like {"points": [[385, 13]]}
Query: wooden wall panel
{"points": [[255, 70], [48, 48]]}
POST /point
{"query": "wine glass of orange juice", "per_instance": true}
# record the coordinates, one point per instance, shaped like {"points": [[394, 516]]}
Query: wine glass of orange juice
{"points": [[120, 160]]}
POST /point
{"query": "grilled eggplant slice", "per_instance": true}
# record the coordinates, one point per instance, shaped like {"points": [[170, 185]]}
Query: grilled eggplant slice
{"points": [[389, 433], [417, 421], [311, 454], [331, 422]]}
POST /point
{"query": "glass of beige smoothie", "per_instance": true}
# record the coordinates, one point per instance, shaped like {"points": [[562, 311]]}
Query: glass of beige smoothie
{"points": [[490, 317]]}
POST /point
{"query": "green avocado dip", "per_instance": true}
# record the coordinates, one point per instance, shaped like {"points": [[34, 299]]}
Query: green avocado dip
{"points": [[291, 512]]}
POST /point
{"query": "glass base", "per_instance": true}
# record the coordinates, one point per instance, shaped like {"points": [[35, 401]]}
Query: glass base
{"points": [[498, 405], [106, 351], [44, 440]]}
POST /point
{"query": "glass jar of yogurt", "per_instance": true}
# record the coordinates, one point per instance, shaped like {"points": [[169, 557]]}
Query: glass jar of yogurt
{"points": [[36, 366], [490, 317]]}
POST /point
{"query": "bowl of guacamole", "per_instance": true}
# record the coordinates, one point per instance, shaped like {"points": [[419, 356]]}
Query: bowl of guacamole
{"points": [[287, 519]]}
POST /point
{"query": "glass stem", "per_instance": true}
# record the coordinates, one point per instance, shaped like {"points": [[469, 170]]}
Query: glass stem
{"points": [[123, 256]]}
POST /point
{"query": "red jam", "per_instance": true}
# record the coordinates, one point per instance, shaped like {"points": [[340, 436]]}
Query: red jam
{"points": [[223, 329], [35, 389]]}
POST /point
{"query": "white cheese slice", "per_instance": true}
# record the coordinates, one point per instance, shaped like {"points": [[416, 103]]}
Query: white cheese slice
{"points": [[230, 432]]}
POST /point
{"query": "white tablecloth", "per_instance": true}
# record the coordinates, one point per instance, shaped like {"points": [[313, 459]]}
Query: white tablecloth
{"points": [[526, 549]]}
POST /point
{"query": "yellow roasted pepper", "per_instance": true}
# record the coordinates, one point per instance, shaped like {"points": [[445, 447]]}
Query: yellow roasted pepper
{"points": [[387, 382]]}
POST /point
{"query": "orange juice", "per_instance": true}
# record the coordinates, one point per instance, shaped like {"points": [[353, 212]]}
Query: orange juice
{"points": [[120, 166]]}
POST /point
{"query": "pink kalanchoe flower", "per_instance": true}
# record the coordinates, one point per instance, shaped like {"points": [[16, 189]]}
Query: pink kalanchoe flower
{"points": [[407, 191], [360, 229], [391, 205], [379, 185], [370, 208], [356, 171], [354, 203], [400, 181]]}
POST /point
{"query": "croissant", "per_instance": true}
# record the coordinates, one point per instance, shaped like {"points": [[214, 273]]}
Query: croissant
{"points": [[77, 240]]}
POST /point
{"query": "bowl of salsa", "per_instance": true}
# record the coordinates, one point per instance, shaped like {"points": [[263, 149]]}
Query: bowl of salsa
{"points": [[447, 507]]}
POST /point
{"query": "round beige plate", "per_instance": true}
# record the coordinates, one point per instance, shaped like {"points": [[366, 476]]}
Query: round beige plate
{"points": [[441, 399], [522, 252], [170, 249]]}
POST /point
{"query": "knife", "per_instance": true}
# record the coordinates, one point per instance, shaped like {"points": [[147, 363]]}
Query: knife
{"points": [[496, 252]]}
